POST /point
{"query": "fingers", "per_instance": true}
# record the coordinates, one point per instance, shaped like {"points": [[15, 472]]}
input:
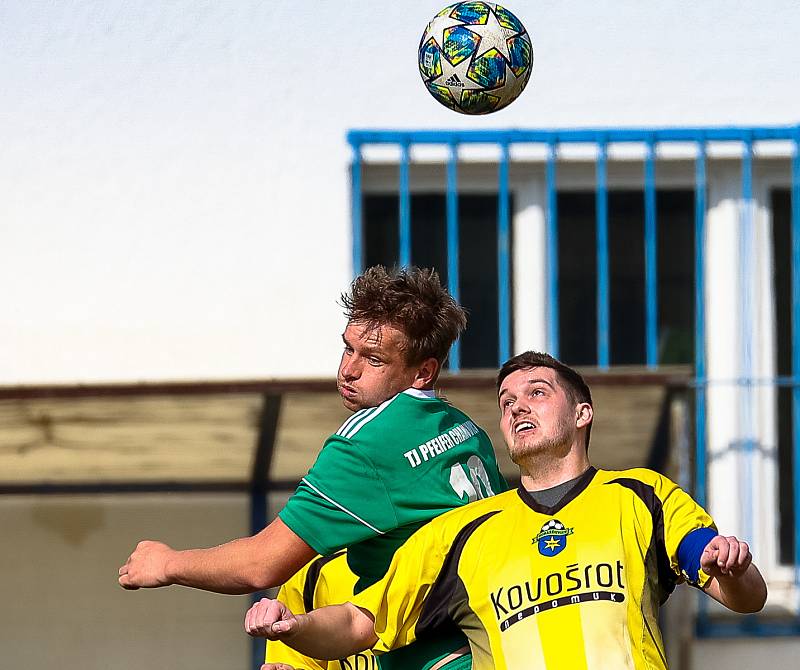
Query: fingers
{"points": [[276, 666], [726, 556], [146, 566], [268, 618], [723, 550]]}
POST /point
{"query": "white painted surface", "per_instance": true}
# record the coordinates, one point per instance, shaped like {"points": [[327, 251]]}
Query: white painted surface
{"points": [[175, 195]]}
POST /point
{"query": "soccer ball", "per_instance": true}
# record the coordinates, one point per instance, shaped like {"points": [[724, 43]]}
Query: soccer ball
{"points": [[475, 57]]}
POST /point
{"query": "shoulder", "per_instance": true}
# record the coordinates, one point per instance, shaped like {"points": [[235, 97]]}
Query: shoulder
{"points": [[653, 488], [469, 517], [643, 476], [368, 421]]}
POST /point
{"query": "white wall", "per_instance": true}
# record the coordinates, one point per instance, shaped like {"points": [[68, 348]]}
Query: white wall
{"points": [[174, 175]]}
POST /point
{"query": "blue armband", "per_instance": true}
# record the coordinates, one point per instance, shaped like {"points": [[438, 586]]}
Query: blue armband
{"points": [[691, 549]]}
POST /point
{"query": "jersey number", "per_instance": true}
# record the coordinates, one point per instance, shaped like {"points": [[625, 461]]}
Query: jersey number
{"points": [[477, 485]]}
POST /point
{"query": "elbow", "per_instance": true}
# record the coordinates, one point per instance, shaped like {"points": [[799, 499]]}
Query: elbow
{"points": [[759, 601], [258, 578], [263, 574], [755, 603]]}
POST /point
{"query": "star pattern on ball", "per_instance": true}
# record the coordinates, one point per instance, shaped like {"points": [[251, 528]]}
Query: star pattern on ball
{"points": [[437, 27], [455, 79], [493, 36]]}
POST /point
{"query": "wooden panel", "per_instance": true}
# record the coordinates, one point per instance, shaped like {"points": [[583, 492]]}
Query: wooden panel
{"points": [[208, 438], [211, 438], [306, 421]]}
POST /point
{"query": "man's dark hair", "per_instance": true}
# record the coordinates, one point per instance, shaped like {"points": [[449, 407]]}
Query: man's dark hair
{"points": [[412, 300], [573, 384]]}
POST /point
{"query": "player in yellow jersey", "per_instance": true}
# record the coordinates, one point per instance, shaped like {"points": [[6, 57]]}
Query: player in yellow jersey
{"points": [[568, 571], [326, 579]]}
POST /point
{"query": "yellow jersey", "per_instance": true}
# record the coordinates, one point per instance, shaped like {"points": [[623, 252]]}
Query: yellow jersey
{"points": [[324, 581], [576, 586]]}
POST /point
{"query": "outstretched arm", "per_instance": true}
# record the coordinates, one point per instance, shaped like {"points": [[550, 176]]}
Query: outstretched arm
{"points": [[241, 566], [736, 581], [337, 631]]}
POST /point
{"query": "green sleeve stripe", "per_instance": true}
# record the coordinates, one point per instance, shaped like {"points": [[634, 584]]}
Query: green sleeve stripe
{"points": [[341, 507], [351, 430], [356, 416]]}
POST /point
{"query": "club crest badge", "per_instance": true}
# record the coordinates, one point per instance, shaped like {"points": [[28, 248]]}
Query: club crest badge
{"points": [[552, 539]]}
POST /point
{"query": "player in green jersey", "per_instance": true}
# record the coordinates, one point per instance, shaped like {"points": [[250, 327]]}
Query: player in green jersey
{"points": [[404, 457], [568, 571]]}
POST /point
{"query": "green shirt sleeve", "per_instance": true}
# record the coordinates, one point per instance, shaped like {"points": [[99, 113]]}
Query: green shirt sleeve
{"points": [[341, 501]]}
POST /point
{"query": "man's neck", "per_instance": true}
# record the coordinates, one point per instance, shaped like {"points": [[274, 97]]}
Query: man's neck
{"points": [[544, 471]]}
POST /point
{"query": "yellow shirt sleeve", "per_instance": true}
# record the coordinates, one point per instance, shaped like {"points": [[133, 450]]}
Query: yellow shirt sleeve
{"points": [[682, 515]]}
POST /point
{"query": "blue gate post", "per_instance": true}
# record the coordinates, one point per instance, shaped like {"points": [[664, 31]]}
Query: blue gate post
{"points": [[552, 250], [503, 257], [650, 257], [405, 208], [747, 329], [603, 312], [453, 281], [701, 381], [700, 322]]}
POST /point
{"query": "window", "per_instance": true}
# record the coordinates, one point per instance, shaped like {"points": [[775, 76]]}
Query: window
{"points": [[577, 262], [477, 262]]}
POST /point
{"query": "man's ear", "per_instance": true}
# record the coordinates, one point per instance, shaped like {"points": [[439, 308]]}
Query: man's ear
{"points": [[583, 415], [427, 372]]}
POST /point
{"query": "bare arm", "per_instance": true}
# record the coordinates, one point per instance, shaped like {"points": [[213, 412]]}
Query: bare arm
{"points": [[736, 581], [241, 566], [337, 631]]}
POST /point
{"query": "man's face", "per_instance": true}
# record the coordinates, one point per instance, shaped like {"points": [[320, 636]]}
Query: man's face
{"points": [[373, 367], [536, 415]]}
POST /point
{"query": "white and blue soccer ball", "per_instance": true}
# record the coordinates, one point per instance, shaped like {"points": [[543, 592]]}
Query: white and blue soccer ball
{"points": [[475, 57]]}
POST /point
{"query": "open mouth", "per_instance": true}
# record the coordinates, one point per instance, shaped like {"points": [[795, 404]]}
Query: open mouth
{"points": [[524, 427]]}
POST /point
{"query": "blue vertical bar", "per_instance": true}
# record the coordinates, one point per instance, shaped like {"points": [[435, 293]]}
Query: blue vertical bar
{"points": [[503, 258], [746, 399], [452, 244], [355, 203], [701, 382], [650, 257], [552, 251], [405, 209], [700, 322], [603, 293], [796, 352]]}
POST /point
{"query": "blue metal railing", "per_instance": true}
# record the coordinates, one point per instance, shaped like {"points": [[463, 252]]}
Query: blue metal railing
{"points": [[650, 139], [551, 218], [650, 256]]}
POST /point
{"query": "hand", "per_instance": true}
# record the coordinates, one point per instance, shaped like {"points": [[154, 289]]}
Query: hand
{"points": [[277, 666], [146, 566], [270, 619], [725, 557]]}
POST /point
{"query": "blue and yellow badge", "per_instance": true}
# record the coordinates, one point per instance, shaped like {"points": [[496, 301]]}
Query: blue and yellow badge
{"points": [[552, 539]]}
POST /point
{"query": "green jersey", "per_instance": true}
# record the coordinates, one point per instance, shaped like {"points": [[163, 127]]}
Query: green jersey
{"points": [[386, 472]]}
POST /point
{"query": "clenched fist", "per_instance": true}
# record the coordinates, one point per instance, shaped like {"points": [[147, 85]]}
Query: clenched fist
{"points": [[146, 566], [725, 557], [270, 619]]}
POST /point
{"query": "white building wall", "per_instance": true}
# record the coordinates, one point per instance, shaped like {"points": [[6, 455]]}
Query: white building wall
{"points": [[175, 194]]}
